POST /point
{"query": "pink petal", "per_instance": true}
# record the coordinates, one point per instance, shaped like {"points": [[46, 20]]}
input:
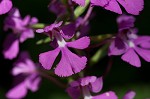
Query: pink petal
{"points": [[125, 22], [68, 30], [32, 82], [129, 95], [143, 41], [117, 47], [14, 12], [70, 63], [26, 20], [111, 5], [97, 85], [81, 43], [132, 6], [74, 92], [39, 30], [87, 80], [106, 95], [11, 47], [47, 59], [26, 34], [145, 54], [18, 92], [131, 57], [5, 6]]}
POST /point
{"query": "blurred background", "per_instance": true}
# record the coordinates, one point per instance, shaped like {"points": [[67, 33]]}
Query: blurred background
{"points": [[122, 76]]}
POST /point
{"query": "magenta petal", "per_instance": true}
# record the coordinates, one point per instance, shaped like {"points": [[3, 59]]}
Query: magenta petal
{"points": [[33, 82], [143, 41], [106, 95], [74, 92], [68, 30], [11, 47], [80, 2], [81, 43], [131, 57], [70, 63], [5, 6], [111, 5], [132, 6], [129, 95], [18, 92], [145, 54], [97, 85], [125, 22], [87, 80], [26, 20], [26, 34], [14, 12], [47, 59], [39, 30], [33, 21], [53, 26], [117, 47]]}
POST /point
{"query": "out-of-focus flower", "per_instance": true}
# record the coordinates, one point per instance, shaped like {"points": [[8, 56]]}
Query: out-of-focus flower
{"points": [[83, 29], [70, 63], [21, 31], [5, 6], [57, 7], [87, 84], [131, 6], [128, 43], [129, 95], [26, 77]]}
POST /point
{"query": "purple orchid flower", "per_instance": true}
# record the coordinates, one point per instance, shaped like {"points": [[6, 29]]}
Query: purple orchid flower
{"points": [[131, 6], [128, 43], [26, 77], [70, 63], [87, 84], [21, 32], [5, 6]]}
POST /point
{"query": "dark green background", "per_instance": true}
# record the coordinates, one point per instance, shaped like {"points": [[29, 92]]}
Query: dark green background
{"points": [[122, 77]]}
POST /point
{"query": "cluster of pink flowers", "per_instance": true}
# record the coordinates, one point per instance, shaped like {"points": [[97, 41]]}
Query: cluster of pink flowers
{"points": [[70, 41]]}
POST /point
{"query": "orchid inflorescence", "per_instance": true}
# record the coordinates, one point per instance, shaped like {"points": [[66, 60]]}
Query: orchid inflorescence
{"points": [[69, 56]]}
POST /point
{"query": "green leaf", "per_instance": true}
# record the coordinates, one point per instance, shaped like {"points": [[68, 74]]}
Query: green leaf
{"points": [[38, 25], [99, 55], [46, 40], [99, 38], [80, 10]]}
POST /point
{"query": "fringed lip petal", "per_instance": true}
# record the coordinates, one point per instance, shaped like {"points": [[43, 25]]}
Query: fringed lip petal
{"points": [[70, 63], [131, 57], [144, 53], [47, 58]]}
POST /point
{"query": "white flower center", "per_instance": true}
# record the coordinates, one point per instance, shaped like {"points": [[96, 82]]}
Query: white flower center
{"points": [[86, 93], [61, 42], [131, 44]]}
